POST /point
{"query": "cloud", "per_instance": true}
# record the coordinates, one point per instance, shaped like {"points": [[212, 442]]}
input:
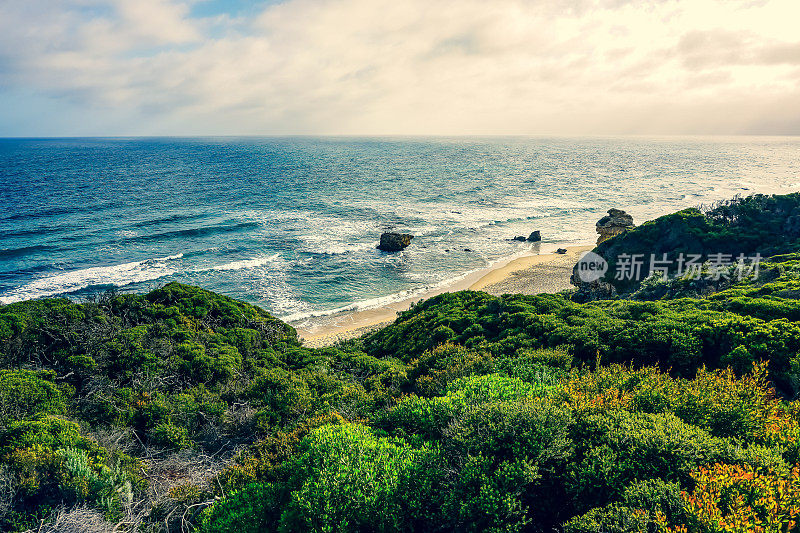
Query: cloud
{"points": [[418, 66], [702, 49]]}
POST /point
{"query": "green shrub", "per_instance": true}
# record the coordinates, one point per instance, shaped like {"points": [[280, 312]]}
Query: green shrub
{"points": [[436, 368], [612, 518], [251, 509], [170, 436], [263, 460], [44, 432], [346, 479], [505, 454], [419, 415], [642, 509], [24, 393], [617, 447], [428, 416], [285, 396], [658, 497]]}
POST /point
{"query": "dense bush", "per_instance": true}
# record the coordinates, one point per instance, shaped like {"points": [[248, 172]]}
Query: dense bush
{"points": [[678, 335], [24, 393], [247, 510], [344, 478]]}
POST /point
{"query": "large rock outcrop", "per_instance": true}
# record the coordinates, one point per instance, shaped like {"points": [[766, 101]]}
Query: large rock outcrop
{"points": [[614, 223], [394, 242]]}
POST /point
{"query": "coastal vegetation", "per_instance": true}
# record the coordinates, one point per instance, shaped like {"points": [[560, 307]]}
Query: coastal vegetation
{"points": [[766, 225], [671, 408]]}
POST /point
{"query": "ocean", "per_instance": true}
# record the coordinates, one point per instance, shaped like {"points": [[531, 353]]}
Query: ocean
{"points": [[291, 224]]}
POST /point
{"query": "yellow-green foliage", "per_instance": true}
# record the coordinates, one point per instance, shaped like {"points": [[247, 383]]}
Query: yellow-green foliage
{"points": [[25, 393], [744, 408], [344, 478], [645, 506], [428, 416], [263, 460], [250, 509], [435, 369]]}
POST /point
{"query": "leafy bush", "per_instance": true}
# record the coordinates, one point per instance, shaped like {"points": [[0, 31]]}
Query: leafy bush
{"points": [[248, 510], [343, 479], [264, 459], [618, 447], [612, 518], [24, 393], [729, 498], [500, 451], [428, 416], [170, 436], [436, 368]]}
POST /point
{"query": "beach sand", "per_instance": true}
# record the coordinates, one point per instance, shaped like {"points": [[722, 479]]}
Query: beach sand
{"points": [[532, 273]]}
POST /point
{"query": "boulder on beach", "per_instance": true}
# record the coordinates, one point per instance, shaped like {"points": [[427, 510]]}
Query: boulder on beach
{"points": [[394, 242], [615, 223], [561, 251], [535, 236]]}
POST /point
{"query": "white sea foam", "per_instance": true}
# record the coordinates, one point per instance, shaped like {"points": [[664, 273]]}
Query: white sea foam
{"points": [[381, 301], [265, 277], [244, 264], [119, 275], [340, 248]]}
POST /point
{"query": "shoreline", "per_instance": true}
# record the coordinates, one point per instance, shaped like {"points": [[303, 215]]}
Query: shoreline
{"points": [[532, 272]]}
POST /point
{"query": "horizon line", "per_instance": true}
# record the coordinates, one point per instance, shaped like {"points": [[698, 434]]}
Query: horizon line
{"points": [[396, 135]]}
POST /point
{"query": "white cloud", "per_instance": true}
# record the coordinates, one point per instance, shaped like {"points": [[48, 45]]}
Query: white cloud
{"points": [[417, 66]]}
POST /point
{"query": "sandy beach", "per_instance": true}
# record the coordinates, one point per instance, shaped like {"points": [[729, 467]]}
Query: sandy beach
{"points": [[538, 271]]}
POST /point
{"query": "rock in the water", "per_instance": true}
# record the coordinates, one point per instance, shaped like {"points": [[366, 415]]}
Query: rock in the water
{"points": [[561, 251], [394, 242], [467, 249], [519, 238], [615, 223], [535, 236]]}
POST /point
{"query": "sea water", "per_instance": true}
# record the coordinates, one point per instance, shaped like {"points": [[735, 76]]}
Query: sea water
{"points": [[292, 224]]}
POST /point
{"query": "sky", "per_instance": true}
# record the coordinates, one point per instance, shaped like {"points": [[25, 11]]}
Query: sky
{"points": [[399, 67]]}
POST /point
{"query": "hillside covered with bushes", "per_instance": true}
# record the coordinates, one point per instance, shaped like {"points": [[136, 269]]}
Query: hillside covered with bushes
{"points": [[184, 410], [766, 225]]}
